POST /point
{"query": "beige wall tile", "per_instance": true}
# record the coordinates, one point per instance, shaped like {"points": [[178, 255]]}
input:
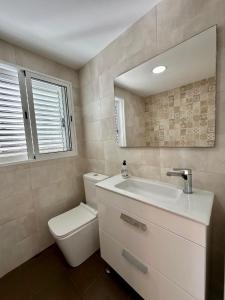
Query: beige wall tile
{"points": [[85, 75], [96, 165], [93, 131], [179, 20], [170, 23], [145, 171], [31, 193], [76, 97], [90, 71], [94, 150], [73, 167], [107, 107], [106, 85], [216, 157], [7, 52], [92, 111], [28, 247], [220, 108], [221, 59], [74, 192], [68, 74], [15, 206], [112, 168], [142, 34], [20, 180], [195, 159], [26, 226], [90, 92], [221, 81], [6, 186], [111, 151], [108, 129], [9, 255], [112, 55], [14, 182], [45, 239], [35, 62], [47, 173], [151, 158], [50, 195], [132, 155]]}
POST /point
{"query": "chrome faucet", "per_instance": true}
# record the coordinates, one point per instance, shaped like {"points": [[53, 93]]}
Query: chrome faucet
{"points": [[186, 174]]}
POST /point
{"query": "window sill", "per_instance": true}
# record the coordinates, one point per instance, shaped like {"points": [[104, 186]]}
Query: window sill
{"points": [[48, 157]]}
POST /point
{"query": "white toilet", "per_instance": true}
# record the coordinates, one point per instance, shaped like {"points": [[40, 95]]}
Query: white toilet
{"points": [[76, 231]]}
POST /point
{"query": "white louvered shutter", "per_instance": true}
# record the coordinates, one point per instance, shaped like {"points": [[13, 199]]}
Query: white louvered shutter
{"points": [[12, 133], [51, 117]]}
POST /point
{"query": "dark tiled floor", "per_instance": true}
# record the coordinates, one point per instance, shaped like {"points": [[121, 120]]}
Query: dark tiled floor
{"points": [[48, 277]]}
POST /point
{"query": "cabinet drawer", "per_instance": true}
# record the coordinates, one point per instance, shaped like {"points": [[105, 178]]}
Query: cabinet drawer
{"points": [[149, 283], [180, 260], [181, 226]]}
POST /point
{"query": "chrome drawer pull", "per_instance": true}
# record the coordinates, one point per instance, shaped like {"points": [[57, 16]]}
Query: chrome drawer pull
{"points": [[133, 260], [133, 222]]}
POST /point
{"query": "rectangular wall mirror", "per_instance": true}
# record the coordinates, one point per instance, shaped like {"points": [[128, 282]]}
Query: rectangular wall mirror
{"points": [[169, 101]]}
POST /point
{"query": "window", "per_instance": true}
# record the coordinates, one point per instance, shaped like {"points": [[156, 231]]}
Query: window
{"points": [[36, 118], [12, 133], [120, 122]]}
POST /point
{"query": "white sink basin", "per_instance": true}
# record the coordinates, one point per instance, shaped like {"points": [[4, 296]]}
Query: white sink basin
{"points": [[196, 206], [149, 189]]}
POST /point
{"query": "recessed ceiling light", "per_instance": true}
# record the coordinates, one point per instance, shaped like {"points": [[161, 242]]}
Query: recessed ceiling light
{"points": [[159, 69]]}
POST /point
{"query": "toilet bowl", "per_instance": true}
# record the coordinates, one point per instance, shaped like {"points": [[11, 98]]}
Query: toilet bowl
{"points": [[76, 231]]}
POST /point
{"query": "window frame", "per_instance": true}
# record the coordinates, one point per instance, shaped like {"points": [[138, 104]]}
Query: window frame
{"points": [[24, 76], [122, 122], [13, 158]]}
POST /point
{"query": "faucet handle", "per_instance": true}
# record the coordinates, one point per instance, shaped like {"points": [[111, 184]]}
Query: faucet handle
{"points": [[186, 171]]}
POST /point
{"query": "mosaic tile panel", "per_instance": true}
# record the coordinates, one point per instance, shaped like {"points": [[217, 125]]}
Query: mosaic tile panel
{"points": [[182, 117]]}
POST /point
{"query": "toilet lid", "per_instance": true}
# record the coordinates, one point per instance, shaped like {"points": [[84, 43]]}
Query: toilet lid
{"points": [[64, 224]]}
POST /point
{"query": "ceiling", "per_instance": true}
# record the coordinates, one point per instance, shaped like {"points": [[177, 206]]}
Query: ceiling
{"points": [[190, 61], [70, 31]]}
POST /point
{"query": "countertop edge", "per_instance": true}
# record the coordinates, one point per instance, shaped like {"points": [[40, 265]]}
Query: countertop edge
{"points": [[205, 222]]}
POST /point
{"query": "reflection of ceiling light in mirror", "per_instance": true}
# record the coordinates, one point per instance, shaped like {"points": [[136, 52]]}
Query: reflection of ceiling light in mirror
{"points": [[159, 69]]}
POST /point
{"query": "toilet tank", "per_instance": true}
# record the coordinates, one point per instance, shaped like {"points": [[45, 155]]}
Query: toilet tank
{"points": [[90, 179]]}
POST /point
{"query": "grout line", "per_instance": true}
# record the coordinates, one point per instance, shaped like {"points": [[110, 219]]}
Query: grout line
{"points": [[89, 286]]}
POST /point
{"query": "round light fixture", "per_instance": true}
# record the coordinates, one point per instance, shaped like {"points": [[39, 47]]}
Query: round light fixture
{"points": [[159, 69]]}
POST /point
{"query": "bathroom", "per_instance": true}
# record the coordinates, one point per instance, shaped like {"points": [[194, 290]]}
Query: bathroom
{"points": [[79, 50]]}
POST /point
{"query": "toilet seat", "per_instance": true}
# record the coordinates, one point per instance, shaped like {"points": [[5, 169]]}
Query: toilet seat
{"points": [[63, 225], [76, 231]]}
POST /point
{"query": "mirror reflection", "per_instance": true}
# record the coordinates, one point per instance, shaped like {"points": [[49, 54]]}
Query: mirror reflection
{"points": [[169, 101]]}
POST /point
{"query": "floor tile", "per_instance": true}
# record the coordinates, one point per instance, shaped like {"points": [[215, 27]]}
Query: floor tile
{"points": [[110, 287], [44, 270], [87, 273], [63, 290], [14, 286], [47, 276]]}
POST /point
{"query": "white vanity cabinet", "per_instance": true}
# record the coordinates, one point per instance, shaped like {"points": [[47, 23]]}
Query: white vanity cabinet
{"points": [[160, 254]]}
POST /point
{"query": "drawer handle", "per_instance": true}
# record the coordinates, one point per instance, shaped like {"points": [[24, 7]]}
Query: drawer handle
{"points": [[134, 261], [133, 222]]}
